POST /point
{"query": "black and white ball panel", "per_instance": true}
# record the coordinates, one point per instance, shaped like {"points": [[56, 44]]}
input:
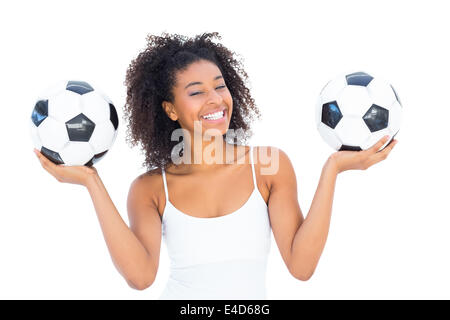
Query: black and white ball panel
{"points": [[96, 158], [331, 114], [329, 94], [354, 101], [80, 128], [395, 117], [329, 136], [376, 118], [54, 133], [71, 102], [52, 155], [79, 87], [95, 107], [354, 111], [332, 90], [349, 148], [40, 112], [74, 124], [381, 93], [352, 131], [102, 137], [358, 79], [76, 152], [113, 116]]}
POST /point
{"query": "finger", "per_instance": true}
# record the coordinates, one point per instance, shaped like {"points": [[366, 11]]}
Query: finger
{"points": [[46, 163], [42, 160], [388, 148], [376, 147], [383, 154], [391, 142]]}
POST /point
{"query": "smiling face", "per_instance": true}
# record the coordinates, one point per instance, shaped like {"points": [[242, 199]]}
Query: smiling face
{"points": [[200, 94]]}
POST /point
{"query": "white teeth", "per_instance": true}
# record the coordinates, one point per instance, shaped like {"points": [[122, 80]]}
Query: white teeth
{"points": [[214, 116]]}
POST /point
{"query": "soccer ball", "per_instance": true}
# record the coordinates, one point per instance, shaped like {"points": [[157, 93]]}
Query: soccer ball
{"points": [[355, 110], [73, 124]]}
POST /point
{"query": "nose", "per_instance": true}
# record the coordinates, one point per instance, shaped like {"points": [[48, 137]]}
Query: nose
{"points": [[214, 97]]}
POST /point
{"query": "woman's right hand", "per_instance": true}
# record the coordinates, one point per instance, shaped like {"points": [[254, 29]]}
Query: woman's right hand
{"points": [[68, 174]]}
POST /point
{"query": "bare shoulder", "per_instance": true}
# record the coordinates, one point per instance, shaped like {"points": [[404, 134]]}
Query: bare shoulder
{"points": [[273, 164], [146, 188]]}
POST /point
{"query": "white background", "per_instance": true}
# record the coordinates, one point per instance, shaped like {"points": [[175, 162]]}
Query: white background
{"points": [[389, 235]]}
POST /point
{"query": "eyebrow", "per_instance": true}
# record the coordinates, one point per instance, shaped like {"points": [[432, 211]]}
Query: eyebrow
{"points": [[194, 83]]}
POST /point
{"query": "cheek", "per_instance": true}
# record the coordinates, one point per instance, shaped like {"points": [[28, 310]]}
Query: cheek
{"points": [[228, 99], [189, 107]]}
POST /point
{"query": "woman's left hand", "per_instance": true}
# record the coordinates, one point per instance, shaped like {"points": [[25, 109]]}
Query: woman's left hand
{"points": [[362, 160]]}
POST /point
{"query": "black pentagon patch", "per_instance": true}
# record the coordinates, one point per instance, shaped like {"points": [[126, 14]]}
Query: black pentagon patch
{"points": [[331, 114], [349, 148], [40, 112], [96, 158], [376, 118], [396, 96], [80, 128], [52, 155], [358, 79], [79, 87], [113, 116]]}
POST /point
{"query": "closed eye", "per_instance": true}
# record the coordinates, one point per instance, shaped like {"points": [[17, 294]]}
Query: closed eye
{"points": [[199, 92]]}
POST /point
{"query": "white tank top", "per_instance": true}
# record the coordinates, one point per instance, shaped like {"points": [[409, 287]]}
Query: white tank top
{"points": [[221, 257]]}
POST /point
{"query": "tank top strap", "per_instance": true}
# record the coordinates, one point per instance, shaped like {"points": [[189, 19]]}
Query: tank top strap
{"points": [[165, 184], [253, 167]]}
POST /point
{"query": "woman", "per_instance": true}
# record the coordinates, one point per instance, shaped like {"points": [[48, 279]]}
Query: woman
{"points": [[208, 196]]}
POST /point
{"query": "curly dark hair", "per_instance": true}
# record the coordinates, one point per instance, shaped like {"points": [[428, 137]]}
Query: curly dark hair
{"points": [[150, 79]]}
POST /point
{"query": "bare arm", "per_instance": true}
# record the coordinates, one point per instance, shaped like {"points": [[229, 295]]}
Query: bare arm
{"points": [[301, 241], [309, 240], [134, 250], [128, 254]]}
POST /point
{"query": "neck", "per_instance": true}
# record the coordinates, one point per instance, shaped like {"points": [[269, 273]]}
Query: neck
{"points": [[210, 153]]}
